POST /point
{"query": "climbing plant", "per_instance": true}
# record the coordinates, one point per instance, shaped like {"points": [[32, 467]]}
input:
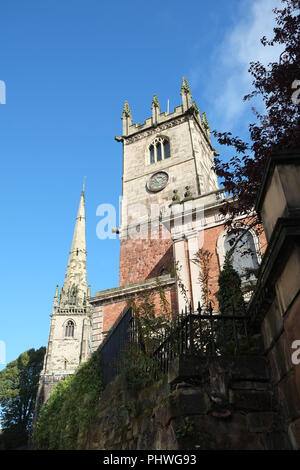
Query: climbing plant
{"points": [[65, 417]]}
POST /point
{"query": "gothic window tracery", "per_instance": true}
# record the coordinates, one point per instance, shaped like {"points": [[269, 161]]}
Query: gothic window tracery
{"points": [[159, 149], [69, 331]]}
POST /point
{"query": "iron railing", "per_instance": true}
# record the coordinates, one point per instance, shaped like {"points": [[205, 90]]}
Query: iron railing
{"points": [[114, 345], [202, 333]]}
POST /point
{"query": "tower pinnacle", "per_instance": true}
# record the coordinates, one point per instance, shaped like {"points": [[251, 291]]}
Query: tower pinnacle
{"points": [[155, 109], [126, 118], [185, 94]]}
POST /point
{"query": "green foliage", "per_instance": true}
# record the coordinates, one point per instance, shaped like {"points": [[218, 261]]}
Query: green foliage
{"points": [[65, 418], [203, 259], [152, 316], [231, 339], [186, 429], [139, 368], [18, 389], [230, 295]]}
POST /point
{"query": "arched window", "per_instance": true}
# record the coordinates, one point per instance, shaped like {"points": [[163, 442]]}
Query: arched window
{"points": [[244, 255], [159, 149], [69, 329]]}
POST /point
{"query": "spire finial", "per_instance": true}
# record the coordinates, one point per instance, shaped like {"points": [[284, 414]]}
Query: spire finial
{"points": [[127, 118], [185, 88], [205, 125], [197, 111], [155, 102], [185, 94], [155, 109], [83, 184], [126, 111], [56, 297]]}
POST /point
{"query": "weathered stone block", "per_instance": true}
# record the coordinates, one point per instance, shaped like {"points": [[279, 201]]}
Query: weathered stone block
{"points": [[250, 385], [289, 397], [186, 367], [275, 441], [272, 324], [280, 359], [262, 421], [251, 400], [246, 367], [192, 401]]}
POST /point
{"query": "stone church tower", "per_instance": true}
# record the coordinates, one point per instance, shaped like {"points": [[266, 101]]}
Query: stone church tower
{"points": [[70, 327], [170, 209]]}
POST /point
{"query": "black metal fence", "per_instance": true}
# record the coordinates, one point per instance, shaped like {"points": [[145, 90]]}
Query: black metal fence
{"points": [[113, 346], [202, 333]]}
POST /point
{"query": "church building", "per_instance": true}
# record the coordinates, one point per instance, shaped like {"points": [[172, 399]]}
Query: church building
{"points": [[69, 341], [170, 210]]}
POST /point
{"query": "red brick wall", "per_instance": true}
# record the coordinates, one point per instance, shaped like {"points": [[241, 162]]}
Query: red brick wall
{"points": [[142, 259], [111, 312]]}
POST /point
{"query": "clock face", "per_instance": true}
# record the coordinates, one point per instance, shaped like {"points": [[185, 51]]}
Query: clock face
{"points": [[158, 181]]}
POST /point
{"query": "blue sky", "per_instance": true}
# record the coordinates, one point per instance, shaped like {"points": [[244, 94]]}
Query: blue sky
{"points": [[68, 66]]}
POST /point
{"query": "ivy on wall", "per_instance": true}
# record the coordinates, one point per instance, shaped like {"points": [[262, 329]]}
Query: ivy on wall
{"points": [[65, 418]]}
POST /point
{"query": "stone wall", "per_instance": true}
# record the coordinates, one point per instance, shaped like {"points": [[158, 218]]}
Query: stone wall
{"points": [[224, 404], [276, 303]]}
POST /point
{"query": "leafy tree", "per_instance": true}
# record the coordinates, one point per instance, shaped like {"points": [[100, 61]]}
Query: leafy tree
{"points": [[18, 389], [277, 84], [230, 295]]}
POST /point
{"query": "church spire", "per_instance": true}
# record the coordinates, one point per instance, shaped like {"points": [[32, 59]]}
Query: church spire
{"points": [[74, 289]]}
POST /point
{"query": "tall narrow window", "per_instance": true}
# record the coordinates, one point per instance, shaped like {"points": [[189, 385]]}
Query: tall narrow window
{"points": [[152, 159], [69, 329], [158, 151], [166, 149]]}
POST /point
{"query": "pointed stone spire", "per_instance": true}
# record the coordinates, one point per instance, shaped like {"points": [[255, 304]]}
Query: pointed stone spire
{"points": [[75, 284], [155, 109], [185, 95], [126, 118]]}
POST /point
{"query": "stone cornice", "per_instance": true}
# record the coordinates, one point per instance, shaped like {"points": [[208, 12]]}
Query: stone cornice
{"points": [[285, 236], [149, 130], [288, 156], [123, 292]]}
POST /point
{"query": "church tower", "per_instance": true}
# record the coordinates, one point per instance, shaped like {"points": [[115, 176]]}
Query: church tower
{"points": [[170, 197], [70, 327]]}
